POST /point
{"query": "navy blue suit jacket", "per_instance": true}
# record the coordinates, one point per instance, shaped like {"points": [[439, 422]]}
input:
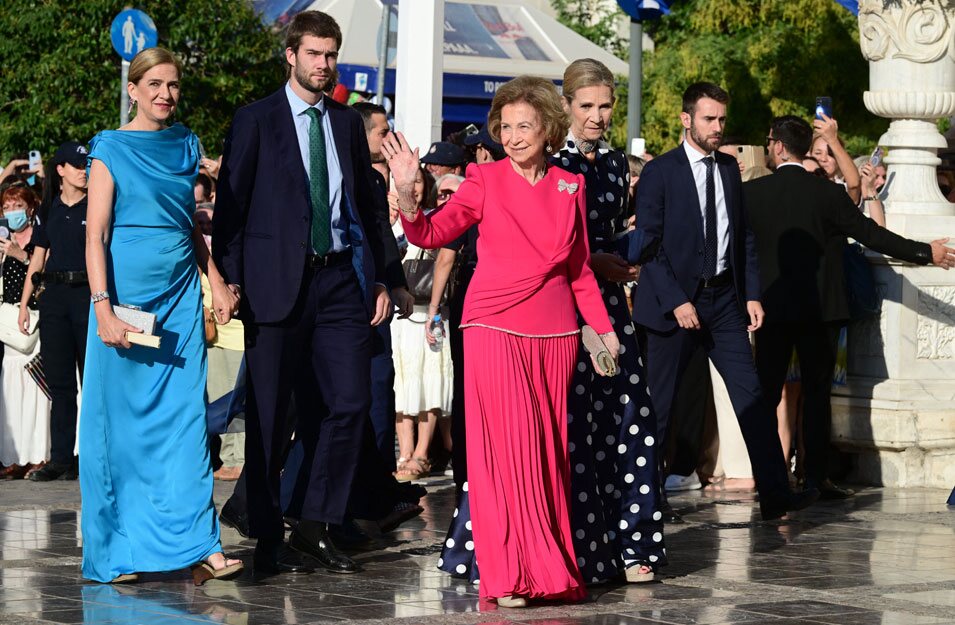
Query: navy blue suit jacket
{"points": [[262, 218], [671, 221]]}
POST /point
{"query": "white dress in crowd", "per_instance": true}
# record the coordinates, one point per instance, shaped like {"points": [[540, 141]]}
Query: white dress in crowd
{"points": [[423, 378]]}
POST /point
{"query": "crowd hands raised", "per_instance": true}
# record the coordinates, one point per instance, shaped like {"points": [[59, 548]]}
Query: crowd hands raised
{"points": [[598, 221]]}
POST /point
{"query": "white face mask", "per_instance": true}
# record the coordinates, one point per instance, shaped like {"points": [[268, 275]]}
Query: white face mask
{"points": [[17, 219]]}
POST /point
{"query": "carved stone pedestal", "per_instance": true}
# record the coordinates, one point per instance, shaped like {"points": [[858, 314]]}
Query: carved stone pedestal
{"points": [[896, 416]]}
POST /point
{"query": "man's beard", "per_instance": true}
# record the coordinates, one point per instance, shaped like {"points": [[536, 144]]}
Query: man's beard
{"points": [[302, 79], [377, 157], [710, 145]]}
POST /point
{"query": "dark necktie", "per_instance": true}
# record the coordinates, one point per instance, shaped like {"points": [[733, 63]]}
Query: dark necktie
{"points": [[709, 240], [318, 184]]}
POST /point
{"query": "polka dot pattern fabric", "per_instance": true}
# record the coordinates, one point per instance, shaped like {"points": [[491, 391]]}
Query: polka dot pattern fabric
{"points": [[611, 431]]}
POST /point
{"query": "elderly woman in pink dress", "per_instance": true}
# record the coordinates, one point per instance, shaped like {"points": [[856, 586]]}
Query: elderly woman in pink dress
{"points": [[520, 338]]}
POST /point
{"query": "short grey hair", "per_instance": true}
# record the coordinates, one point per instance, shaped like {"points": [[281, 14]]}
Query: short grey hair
{"points": [[433, 200]]}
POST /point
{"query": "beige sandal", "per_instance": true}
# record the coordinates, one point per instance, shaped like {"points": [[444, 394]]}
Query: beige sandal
{"points": [[125, 578], [406, 473], [635, 576], [512, 601]]}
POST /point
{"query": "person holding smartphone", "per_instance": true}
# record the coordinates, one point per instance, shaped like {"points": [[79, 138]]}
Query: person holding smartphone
{"points": [[827, 148]]}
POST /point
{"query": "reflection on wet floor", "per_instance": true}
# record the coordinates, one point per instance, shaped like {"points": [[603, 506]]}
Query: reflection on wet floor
{"points": [[886, 557]]}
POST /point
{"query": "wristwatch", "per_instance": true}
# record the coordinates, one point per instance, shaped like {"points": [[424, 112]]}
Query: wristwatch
{"points": [[871, 198]]}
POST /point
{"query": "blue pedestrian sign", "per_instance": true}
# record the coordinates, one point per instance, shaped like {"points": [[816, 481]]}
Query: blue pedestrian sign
{"points": [[132, 31]]}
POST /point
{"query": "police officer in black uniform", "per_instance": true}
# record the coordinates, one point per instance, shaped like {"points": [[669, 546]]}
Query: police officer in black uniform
{"points": [[58, 271]]}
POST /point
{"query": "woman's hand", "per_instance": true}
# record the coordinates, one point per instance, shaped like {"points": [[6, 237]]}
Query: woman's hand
{"points": [[612, 343], [112, 330], [613, 268], [404, 163], [827, 128], [11, 248], [867, 172], [23, 320], [225, 303], [393, 207], [211, 165], [429, 325]]}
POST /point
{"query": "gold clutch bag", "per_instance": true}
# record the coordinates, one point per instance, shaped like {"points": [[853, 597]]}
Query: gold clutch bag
{"points": [[596, 348]]}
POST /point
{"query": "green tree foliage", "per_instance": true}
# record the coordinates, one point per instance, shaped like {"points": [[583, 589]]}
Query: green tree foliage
{"points": [[773, 56], [596, 20], [61, 76]]}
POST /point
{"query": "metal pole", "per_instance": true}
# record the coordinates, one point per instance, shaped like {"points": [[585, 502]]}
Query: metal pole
{"points": [[383, 56], [124, 95], [635, 90]]}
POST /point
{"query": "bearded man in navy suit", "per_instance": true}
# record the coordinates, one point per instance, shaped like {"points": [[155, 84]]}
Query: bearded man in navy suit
{"points": [[699, 285], [298, 234]]}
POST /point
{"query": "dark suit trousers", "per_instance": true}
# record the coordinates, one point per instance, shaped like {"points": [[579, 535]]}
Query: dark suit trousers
{"points": [[816, 345], [383, 394], [322, 351], [723, 337]]}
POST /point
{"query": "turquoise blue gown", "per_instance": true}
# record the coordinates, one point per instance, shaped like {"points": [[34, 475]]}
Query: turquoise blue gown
{"points": [[145, 477]]}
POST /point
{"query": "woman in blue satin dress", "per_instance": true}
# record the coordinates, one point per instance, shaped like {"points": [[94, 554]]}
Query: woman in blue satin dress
{"points": [[145, 476]]}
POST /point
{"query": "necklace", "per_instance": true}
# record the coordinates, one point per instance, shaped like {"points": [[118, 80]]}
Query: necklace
{"points": [[584, 146]]}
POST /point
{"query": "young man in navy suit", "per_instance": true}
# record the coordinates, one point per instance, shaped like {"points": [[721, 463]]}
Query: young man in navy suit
{"points": [[700, 285], [299, 239]]}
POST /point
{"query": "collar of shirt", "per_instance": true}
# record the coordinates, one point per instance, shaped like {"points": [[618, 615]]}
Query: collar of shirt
{"points": [[695, 155], [792, 164], [298, 105], [571, 144]]}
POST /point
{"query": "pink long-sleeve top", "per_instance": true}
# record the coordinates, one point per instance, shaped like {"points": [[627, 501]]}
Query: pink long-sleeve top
{"points": [[533, 258]]}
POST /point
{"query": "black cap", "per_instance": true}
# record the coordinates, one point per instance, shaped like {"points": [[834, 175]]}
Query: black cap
{"points": [[483, 137], [445, 153], [71, 153]]}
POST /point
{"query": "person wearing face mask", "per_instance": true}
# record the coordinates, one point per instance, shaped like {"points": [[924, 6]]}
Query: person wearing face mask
{"points": [[624, 504], [24, 408], [145, 478], [59, 240]]}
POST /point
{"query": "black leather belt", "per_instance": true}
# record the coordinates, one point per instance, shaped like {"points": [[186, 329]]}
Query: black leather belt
{"points": [[65, 277], [314, 261], [718, 280]]}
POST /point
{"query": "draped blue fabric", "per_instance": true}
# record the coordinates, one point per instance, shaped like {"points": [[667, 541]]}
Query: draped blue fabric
{"points": [[145, 476]]}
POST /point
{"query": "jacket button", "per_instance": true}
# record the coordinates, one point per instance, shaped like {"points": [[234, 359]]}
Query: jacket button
{"points": [[303, 243]]}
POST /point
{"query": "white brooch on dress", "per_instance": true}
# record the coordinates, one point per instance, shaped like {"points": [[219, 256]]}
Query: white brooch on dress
{"points": [[569, 187]]}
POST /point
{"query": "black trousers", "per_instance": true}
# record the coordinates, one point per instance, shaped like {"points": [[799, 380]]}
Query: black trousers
{"points": [[724, 339], [323, 353], [459, 455], [816, 345], [64, 323], [688, 415]]}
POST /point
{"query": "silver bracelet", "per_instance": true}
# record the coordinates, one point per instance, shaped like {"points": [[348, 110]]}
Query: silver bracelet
{"points": [[99, 296]]}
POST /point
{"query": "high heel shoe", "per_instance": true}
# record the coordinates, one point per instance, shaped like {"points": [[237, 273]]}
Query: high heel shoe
{"points": [[634, 576], [203, 572], [512, 601], [125, 578]]}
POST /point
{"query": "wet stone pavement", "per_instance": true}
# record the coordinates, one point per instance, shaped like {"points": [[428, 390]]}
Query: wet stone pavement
{"points": [[886, 557]]}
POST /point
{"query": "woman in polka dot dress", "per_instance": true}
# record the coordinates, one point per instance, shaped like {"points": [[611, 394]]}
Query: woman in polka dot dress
{"points": [[611, 426], [615, 518]]}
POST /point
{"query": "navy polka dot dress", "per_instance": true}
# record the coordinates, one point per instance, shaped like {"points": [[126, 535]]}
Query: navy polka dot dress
{"points": [[611, 430], [615, 484]]}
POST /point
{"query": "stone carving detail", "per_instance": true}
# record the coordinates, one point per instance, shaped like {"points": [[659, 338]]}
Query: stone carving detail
{"points": [[935, 332], [915, 30]]}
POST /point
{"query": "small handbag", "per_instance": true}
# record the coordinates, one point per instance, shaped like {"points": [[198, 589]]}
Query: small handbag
{"points": [[10, 323], [419, 272], [594, 346]]}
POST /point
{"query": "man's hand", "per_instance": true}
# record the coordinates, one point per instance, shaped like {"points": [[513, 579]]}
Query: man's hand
{"points": [[942, 256], [404, 302], [756, 315], [686, 316], [613, 268], [382, 305]]}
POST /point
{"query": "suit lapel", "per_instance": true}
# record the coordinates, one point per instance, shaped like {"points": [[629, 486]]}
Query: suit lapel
{"points": [[689, 182], [286, 140]]}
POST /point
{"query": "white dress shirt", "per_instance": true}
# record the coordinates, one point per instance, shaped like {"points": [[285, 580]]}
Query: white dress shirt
{"points": [[698, 167]]}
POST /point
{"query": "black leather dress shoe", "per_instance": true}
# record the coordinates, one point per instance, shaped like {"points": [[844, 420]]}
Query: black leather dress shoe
{"points": [[312, 539], [829, 491], [402, 512], [670, 516], [349, 536], [235, 518], [278, 559], [774, 508], [53, 471]]}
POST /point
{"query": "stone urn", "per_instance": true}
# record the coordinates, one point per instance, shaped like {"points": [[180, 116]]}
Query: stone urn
{"points": [[911, 53]]}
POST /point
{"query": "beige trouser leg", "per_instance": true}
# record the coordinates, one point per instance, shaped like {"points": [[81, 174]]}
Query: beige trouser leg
{"points": [[733, 459]]}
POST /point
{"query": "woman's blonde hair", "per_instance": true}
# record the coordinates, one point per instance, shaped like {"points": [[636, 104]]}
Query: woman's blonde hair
{"points": [[584, 73], [150, 58], [539, 93]]}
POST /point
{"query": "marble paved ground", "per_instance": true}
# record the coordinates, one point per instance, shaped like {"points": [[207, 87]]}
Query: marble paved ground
{"points": [[886, 557]]}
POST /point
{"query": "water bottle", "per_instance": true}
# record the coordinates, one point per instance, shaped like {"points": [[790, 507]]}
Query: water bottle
{"points": [[437, 330]]}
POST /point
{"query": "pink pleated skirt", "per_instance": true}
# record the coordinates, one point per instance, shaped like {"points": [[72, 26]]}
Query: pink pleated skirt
{"points": [[515, 393]]}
